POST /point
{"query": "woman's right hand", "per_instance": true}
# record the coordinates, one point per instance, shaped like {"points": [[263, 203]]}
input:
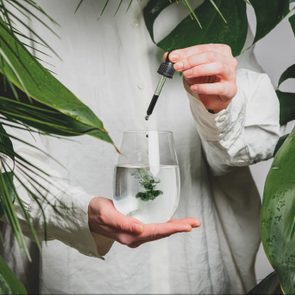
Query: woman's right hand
{"points": [[104, 219]]}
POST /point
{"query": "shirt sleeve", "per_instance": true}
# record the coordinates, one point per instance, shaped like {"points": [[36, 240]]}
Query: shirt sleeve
{"points": [[245, 132], [65, 208]]}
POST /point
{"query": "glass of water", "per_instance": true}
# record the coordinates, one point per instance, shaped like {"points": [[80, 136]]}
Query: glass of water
{"points": [[147, 181]]}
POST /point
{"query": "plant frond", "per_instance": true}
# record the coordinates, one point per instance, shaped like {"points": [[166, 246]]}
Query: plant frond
{"points": [[34, 147], [218, 10], [34, 33], [129, 5], [191, 11], [6, 16], [41, 188], [9, 210], [25, 11], [118, 8], [7, 60], [24, 210], [36, 199], [10, 10], [104, 8], [39, 173], [35, 181], [38, 8], [78, 6]]}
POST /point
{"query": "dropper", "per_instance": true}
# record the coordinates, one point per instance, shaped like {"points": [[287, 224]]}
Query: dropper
{"points": [[166, 70]]}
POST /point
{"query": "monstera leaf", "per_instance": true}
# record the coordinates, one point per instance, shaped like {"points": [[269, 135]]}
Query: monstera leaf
{"points": [[232, 31], [268, 14], [214, 29], [287, 99], [278, 215], [292, 22]]}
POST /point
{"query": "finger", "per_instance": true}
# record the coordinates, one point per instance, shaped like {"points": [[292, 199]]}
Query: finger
{"points": [[222, 89], [158, 231], [178, 54], [109, 217], [193, 222], [154, 232], [138, 243], [126, 224], [199, 59], [211, 69]]}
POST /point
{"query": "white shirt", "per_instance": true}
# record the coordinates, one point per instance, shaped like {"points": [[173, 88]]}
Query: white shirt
{"points": [[111, 65]]}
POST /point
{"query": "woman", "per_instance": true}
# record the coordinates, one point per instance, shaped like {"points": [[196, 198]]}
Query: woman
{"points": [[112, 63]]}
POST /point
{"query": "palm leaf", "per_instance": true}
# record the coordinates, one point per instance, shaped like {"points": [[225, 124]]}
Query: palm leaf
{"points": [[11, 9], [192, 12], [33, 179], [27, 74], [10, 284], [7, 189], [12, 18]]}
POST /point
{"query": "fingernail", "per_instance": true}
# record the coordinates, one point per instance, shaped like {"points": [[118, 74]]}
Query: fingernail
{"points": [[194, 88], [173, 56], [196, 223], [178, 66], [187, 228], [188, 73], [138, 227]]}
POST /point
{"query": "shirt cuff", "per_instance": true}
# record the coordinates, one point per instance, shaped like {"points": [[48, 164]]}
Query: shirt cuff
{"points": [[224, 127], [89, 240], [90, 244]]}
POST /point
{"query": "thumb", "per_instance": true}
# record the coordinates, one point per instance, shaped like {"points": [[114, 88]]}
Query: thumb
{"points": [[127, 224]]}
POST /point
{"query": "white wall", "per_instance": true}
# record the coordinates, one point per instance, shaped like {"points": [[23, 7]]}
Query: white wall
{"points": [[275, 53]]}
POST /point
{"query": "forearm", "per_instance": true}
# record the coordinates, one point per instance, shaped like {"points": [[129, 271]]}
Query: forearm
{"points": [[64, 213]]}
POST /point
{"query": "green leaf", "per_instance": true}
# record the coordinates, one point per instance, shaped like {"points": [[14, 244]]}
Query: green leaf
{"points": [[278, 215], [268, 14], [8, 179], [215, 30], [152, 11], [292, 22], [8, 192], [280, 142], [78, 6], [287, 99], [288, 74], [268, 286], [287, 106], [41, 117], [25, 72], [6, 146], [9, 283]]}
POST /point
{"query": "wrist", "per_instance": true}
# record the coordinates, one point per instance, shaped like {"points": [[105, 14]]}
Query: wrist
{"points": [[215, 107], [103, 243], [91, 214]]}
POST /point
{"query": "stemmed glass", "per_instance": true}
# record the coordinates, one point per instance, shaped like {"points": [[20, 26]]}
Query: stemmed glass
{"points": [[147, 180]]}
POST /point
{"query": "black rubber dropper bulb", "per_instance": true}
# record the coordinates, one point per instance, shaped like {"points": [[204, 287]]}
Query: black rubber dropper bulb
{"points": [[166, 70]]}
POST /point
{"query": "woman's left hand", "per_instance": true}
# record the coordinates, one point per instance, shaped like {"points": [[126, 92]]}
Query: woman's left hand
{"points": [[209, 73]]}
